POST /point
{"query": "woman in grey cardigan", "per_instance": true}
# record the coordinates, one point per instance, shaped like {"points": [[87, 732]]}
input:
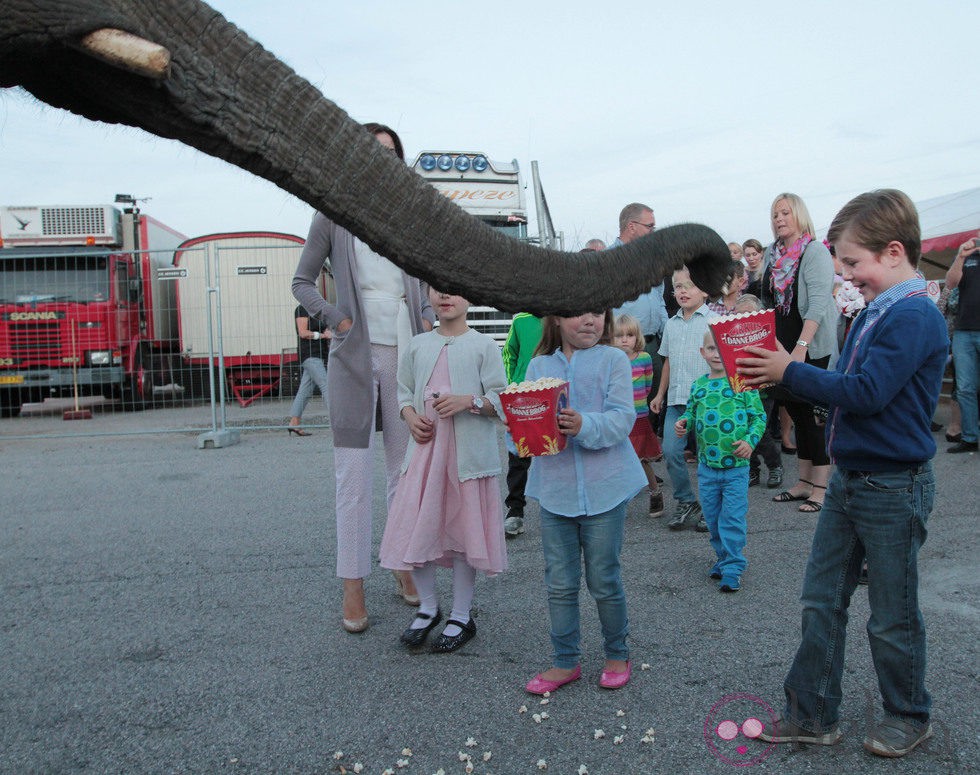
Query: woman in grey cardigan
{"points": [[799, 283], [379, 308]]}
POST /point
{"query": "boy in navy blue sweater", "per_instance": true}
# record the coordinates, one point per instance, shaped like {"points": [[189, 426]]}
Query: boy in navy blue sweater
{"points": [[881, 399]]}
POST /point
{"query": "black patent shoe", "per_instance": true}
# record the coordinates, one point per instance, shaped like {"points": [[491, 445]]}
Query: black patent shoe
{"points": [[447, 643], [414, 637]]}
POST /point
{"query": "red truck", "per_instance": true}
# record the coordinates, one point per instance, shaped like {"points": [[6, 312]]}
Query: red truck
{"points": [[83, 304]]}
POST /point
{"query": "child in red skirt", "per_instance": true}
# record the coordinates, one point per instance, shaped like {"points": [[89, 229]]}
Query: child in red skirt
{"points": [[629, 338]]}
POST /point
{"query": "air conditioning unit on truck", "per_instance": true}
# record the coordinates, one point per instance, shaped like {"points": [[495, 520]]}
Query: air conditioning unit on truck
{"points": [[81, 303], [494, 193]]}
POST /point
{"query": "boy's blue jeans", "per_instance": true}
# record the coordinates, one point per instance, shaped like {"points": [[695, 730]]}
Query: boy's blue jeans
{"points": [[881, 516], [566, 541], [724, 496], [673, 446]]}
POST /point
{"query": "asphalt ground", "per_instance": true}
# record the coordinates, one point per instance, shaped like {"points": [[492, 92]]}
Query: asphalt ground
{"points": [[170, 609]]}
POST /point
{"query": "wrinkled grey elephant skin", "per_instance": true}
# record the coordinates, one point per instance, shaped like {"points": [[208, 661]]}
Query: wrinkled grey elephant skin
{"points": [[228, 97]]}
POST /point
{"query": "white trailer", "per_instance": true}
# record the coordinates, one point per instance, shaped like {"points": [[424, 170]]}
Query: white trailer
{"points": [[250, 275]]}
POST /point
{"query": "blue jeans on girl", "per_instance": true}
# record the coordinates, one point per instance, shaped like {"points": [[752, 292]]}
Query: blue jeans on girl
{"points": [[881, 516], [598, 540]]}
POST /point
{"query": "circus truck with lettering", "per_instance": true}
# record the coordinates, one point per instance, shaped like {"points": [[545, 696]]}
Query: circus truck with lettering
{"points": [[82, 306], [494, 192]]}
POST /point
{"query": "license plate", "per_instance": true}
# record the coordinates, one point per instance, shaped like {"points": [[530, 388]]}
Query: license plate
{"points": [[13, 379]]}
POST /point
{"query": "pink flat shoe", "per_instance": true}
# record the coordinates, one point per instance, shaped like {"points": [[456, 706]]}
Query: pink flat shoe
{"points": [[610, 679], [539, 685]]}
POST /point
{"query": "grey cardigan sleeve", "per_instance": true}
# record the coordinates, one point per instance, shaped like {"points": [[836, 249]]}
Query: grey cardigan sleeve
{"points": [[817, 277], [816, 287], [315, 253]]}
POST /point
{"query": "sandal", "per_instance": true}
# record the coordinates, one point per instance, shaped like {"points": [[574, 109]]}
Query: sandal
{"points": [[810, 506], [786, 496]]}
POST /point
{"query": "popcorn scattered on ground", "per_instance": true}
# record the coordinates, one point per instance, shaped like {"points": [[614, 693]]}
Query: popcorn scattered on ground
{"points": [[338, 755], [620, 713], [358, 767], [545, 715], [406, 751], [401, 764], [583, 770], [618, 739], [522, 709], [645, 666], [487, 755], [464, 757], [537, 718], [545, 701], [542, 764], [598, 734], [471, 742]]}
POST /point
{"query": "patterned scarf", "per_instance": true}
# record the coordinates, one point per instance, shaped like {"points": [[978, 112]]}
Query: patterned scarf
{"points": [[784, 270]]}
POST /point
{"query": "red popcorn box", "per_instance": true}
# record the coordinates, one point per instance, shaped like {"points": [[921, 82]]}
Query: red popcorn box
{"points": [[532, 416], [733, 333]]}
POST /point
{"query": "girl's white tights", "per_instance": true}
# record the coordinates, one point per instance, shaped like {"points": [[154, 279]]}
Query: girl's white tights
{"points": [[464, 584]]}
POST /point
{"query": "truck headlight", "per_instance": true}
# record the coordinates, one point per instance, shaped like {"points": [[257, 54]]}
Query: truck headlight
{"points": [[427, 162], [462, 163], [99, 358], [445, 162], [480, 163]]}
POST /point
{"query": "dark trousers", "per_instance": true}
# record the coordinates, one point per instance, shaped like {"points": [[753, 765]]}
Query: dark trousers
{"points": [[768, 448], [516, 482], [652, 344]]}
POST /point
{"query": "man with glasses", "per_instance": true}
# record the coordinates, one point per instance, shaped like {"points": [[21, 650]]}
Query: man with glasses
{"points": [[636, 220]]}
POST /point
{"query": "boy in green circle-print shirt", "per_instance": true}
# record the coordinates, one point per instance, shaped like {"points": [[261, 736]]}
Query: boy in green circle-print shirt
{"points": [[728, 426]]}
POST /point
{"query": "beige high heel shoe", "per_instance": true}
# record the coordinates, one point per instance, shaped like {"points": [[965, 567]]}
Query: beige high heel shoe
{"points": [[353, 605], [403, 579]]}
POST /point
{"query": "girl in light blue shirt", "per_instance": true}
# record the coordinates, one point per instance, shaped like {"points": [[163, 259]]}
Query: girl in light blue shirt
{"points": [[583, 492]]}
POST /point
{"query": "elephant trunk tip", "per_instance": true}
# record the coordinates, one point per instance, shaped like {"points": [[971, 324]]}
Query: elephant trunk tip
{"points": [[128, 52]]}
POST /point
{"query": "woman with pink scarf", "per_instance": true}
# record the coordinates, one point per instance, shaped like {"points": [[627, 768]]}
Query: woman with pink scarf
{"points": [[798, 283]]}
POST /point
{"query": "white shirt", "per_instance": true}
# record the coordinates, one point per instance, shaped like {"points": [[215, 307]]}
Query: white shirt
{"points": [[383, 294]]}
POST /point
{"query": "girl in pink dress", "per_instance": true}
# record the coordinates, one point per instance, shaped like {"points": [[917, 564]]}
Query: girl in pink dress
{"points": [[447, 509]]}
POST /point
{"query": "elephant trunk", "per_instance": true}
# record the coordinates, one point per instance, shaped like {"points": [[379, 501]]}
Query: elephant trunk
{"points": [[230, 98]]}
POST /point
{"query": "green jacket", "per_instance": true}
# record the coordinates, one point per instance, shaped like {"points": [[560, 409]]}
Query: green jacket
{"points": [[523, 338]]}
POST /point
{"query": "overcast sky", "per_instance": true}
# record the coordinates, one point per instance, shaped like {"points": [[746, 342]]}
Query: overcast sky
{"points": [[704, 110]]}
